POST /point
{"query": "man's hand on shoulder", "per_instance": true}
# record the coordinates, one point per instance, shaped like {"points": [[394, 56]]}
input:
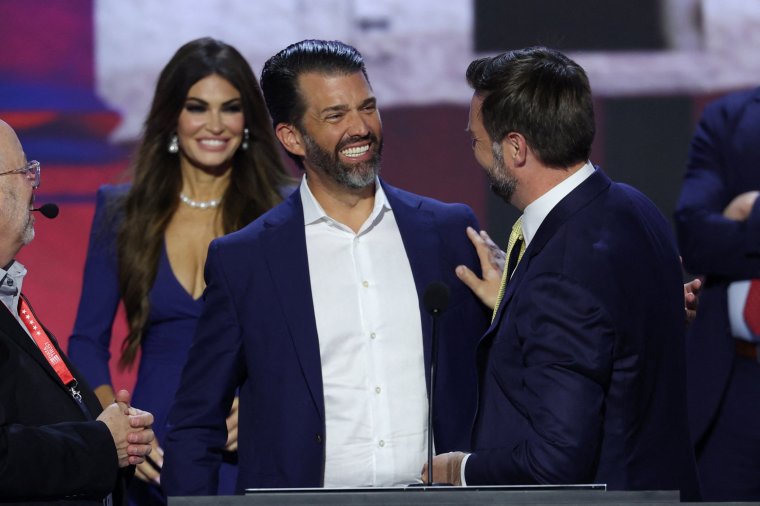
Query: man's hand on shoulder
{"points": [[492, 260]]}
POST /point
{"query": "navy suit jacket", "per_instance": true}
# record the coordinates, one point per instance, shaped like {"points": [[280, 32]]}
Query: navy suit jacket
{"points": [[724, 161], [49, 448], [582, 372], [258, 333]]}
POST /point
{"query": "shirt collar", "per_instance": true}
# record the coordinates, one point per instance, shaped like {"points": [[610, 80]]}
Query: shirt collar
{"points": [[535, 213], [314, 213], [10, 284]]}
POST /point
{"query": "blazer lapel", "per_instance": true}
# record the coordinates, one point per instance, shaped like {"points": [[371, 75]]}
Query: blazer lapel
{"points": [[13, 330], [285, 249], [511, 289], [568, 206], [422, 244]]}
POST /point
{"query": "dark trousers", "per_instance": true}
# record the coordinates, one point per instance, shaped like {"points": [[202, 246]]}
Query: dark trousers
{"points": [[729, 457]]}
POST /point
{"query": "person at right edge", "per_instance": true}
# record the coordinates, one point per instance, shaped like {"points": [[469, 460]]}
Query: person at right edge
{"points": [[582, 372], [718, 226]]}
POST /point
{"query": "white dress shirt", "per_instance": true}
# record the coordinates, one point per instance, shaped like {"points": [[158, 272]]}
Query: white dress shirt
{"points": [[737, 299], [535, 212], [370, 344]]}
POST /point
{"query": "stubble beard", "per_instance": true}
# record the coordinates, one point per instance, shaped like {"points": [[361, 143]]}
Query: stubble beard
{"points": [[21, 215], [352, 176], [27, 235], [503, 184]]}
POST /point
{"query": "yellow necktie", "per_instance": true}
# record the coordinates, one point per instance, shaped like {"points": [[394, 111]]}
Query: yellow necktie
{"points": [[514, 236]]}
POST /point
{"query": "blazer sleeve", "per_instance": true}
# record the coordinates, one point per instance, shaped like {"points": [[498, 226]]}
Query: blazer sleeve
{"points": [[90, 341], [57, 460], [566, 347], [710, 243], [197, 431]]}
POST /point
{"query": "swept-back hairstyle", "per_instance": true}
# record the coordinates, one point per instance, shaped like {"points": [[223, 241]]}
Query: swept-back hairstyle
{"points": [[256, 177], [542, 94], [279, 78]]}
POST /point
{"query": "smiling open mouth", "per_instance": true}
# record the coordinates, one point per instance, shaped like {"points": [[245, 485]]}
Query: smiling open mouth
{"points": [[214, 143], [355, 152]]}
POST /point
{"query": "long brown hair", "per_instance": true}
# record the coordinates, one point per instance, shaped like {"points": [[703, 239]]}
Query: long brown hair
{"points": [[256, 180]]}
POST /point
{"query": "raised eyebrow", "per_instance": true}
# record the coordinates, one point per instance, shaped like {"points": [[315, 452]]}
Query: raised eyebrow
{"points": [[370, 101]]}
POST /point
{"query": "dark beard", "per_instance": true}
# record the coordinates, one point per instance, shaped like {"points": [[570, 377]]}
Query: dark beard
{"points": [[355, 176], [503, 189], [505, 186]]}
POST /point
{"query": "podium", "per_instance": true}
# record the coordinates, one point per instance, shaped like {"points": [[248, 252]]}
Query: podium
{"points": [[528, 495]]}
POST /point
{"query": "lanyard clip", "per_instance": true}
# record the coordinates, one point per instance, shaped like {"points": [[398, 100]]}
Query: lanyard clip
{"points": [[76, 394]]}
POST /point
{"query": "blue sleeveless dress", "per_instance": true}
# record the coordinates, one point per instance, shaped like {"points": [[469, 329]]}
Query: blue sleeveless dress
{"points": [[171, 325]]}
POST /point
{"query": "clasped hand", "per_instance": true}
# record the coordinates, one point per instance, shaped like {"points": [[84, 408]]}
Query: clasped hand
{"points": [[130, 428]]}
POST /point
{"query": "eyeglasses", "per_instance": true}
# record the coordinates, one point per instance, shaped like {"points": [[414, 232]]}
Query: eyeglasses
{"points": [[31, 172]]}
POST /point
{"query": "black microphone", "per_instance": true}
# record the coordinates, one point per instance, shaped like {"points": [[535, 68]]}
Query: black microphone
{"points": [[435, 299], [48, 210]]}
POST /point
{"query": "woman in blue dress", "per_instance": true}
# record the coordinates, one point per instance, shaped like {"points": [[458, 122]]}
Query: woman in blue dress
{"points": [[207, 165]]}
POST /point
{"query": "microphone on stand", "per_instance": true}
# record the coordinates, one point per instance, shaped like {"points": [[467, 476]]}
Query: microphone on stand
{"points": [[435, 299], [48, 210]]}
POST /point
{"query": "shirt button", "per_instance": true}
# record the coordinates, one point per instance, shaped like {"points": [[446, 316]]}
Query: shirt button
{"points": [[9, 282], [318, 438], [365, 284], [381, 443], [377, 390], [372, 335]]}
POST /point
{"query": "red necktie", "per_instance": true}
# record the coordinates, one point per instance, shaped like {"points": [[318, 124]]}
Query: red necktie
{"points": [[752, 307]]}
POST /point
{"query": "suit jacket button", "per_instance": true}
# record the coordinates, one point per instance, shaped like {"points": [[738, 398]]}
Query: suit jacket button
{"points": [[318, 438]]}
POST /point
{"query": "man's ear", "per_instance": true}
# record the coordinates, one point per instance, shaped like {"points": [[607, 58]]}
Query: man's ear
{"points": [[290, 138], [515, 147]]}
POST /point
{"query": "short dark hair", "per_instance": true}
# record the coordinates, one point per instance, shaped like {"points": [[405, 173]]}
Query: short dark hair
{"points": [[542, 94], [279, 78]]}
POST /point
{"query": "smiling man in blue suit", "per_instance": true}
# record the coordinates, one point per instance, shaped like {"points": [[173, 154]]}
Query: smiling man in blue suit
{"points": [[314, 311], [581, 374]]}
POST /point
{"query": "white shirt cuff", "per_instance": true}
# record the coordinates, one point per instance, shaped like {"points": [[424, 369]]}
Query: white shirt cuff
{"points": [[461, 470]]}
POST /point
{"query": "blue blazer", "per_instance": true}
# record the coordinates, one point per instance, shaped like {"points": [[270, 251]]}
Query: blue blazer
{"points": [[724, 161], [582, 372], [258, 333]]}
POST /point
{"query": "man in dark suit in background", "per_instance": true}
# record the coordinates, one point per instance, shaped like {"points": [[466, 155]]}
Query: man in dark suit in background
{"points": [[581, 375], [718, 225], [314, 311], [51, 445]]}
